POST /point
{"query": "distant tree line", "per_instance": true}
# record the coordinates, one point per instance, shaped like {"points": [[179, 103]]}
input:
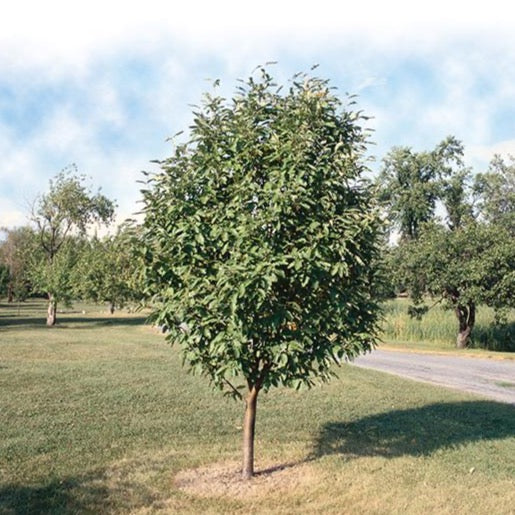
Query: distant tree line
{"points": [[448, 238]]}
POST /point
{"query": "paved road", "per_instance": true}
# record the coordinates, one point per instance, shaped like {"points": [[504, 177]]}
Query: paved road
{"points": [[487, 377]]}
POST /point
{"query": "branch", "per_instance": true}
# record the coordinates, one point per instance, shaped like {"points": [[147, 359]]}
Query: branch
{"points": [[234, 389], [435, 303]]}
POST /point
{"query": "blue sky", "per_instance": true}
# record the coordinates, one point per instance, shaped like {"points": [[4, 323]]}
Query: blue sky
{"points": [[103, 84]]}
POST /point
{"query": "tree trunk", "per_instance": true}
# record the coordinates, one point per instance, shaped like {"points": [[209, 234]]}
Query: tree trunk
{"points": [[466, 319], [249, 424], [51, 317], [10, 293], [111, 308]]}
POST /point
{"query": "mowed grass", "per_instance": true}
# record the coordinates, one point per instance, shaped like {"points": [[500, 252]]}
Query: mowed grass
{"points": [[438, 328], [98, 415]]}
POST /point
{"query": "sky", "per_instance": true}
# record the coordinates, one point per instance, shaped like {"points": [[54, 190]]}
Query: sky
{"points": [[104, 84]]}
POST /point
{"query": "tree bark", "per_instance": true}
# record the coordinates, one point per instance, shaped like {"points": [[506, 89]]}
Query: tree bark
{"points": [[466, 319], [249, 425], [10, 293], [51, 317]]}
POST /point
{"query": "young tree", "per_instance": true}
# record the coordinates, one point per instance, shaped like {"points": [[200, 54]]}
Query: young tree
{"points": [[106, 271], [68, 208], [56, 277], [259, 236]]}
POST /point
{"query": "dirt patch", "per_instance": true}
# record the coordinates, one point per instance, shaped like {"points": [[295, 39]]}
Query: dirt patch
{"points": [[224, 480]]}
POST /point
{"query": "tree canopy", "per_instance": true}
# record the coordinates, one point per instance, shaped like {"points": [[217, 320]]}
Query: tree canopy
{"points": [[411, 183]]}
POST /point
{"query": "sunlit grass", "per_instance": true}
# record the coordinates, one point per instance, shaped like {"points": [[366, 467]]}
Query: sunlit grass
{"points": [[98, 415]]}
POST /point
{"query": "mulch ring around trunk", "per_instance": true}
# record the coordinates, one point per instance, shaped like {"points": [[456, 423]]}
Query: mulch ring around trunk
{"points": [[225, 480]]}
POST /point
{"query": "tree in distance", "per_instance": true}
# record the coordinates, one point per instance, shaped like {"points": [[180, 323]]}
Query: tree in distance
{"points": [[494, 193], [16, 251], [65, 211], [107, 270], [258, 239], [468, 257]]}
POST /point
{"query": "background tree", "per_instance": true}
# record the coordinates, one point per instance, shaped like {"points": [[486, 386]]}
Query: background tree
{"points": [[56, 277], [107, 271], [16, 252], [472, 265], [68, 208], [461, 259], [259, 234], [411, 183], [494, 193]]}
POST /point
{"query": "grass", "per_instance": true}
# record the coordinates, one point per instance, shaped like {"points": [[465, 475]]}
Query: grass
{"points": [[437, 329], [98, 415]]}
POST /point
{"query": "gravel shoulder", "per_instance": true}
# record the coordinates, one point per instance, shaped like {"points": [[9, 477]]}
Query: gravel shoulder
{"points": [[490, 378]]}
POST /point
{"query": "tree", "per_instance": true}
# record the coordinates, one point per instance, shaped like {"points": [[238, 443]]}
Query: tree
{"points": [[259, 235], [411, 183], [106, 271], [68, 208], [16, 252], [464, 259], [463, 268], [494, 193], [56, 276]]}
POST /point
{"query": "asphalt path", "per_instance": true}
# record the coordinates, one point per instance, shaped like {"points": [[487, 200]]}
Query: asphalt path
{"points": [[488, 377]]}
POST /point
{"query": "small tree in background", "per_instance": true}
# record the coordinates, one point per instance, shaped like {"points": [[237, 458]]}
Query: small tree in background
{"points": [[56, 277], [259, 236], [106, 271], [17, 251], [67, 209]]}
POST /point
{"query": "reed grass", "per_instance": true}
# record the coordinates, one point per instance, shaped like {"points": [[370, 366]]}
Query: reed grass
{"points": [[439, 326]]}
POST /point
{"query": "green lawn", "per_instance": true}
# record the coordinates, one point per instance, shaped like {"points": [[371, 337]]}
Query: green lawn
{"points": [[437, 329], [97, 415]]}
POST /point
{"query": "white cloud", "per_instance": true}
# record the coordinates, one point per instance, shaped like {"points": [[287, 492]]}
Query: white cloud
{"points": [[12, 215], [85, 46], [58, 33], [484, 153]]}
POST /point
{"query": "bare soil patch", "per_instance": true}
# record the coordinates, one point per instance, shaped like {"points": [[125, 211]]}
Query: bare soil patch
{"points": [[224, 480]]}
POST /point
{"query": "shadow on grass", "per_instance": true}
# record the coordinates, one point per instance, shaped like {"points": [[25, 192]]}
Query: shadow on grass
{"points": [[64, 321], [88, 494], [417, 431]]}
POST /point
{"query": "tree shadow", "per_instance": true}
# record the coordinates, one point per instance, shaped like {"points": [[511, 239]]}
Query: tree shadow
{"points": [[417, 431], [86, 494], [64, 321]]}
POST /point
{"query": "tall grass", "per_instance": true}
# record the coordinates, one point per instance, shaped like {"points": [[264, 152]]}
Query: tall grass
{"points": [[439, 326]]}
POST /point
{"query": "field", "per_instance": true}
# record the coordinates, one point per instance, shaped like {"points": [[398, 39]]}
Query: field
{"points": [[98, 415], [438, 328]]}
